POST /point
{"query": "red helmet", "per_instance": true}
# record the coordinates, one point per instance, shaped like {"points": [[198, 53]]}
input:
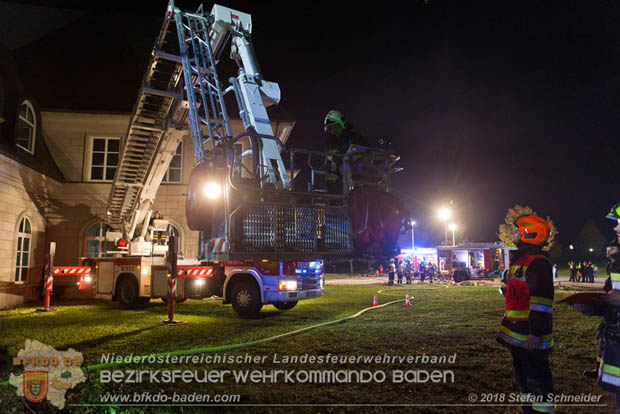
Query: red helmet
{"points": [[534, 230]]}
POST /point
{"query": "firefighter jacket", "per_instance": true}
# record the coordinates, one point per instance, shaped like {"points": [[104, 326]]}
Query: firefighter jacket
{"points": [[609, 333], [529, 299], [340, 144], [613, 272]]}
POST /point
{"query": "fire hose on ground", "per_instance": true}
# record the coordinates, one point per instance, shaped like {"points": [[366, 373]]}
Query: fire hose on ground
{"points": [[97, 367]]}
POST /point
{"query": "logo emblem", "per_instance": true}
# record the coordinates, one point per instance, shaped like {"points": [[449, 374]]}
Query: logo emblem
{"points": [[35, 385]]}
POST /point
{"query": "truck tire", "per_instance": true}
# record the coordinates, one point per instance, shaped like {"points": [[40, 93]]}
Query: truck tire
{"points": [[245, 298], [285, 305], [459, 276], [128, 291]]}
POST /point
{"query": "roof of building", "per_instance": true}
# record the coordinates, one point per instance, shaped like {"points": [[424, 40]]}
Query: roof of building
{"points": [[11, 94]]}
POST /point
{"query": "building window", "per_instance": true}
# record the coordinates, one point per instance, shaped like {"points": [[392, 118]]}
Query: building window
{"points": [[95, 239], [104, 158], [173, 175], [26, 127], [173, 231], [24, 236]]}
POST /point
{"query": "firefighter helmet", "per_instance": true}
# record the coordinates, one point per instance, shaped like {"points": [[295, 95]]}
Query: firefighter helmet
{"points": [[614, 213], [533, 229], [335, 116]]}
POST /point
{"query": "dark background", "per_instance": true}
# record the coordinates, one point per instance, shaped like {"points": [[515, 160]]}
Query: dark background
{"points": [[488, 103]]}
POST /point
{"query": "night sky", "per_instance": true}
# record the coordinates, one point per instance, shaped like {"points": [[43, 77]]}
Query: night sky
{"points": [[488, 103]]}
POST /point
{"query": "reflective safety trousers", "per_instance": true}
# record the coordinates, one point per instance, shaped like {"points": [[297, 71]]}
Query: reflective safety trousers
{"points": [[529, 304]]}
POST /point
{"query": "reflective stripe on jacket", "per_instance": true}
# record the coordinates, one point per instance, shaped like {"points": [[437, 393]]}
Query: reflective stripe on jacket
{"points": [[615, 280]]}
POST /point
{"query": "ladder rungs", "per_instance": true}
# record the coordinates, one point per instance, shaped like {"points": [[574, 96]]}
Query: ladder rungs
{"points": [[146, 127], [158, 92], [167, 56]]}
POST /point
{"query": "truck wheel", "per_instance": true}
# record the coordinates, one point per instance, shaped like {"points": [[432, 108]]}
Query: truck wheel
{"points": [[245, 298], [128, 295], [285, 305]]}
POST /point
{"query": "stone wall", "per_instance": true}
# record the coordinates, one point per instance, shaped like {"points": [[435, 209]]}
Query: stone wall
{"points": [[23, 193], [62, 212]]}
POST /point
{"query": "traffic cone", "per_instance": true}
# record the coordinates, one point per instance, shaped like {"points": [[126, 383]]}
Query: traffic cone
{"points": [[375, 302], [407, 302]]}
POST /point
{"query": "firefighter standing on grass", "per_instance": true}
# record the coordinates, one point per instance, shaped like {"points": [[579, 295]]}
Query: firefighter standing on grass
{"points": [[609, 329], [391, 271], [526, 328]]}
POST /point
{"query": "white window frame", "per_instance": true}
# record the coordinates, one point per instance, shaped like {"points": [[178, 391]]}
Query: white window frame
{"points": [[20, 268], [89, 157], [100, 239], [173, 228], [166, 178], [32, 125]]}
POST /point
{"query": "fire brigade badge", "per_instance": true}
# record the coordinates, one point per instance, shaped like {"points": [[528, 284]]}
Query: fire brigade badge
{"points": [[35, 385], [47, 374]]}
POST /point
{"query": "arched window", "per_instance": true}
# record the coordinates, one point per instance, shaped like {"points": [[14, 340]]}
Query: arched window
{"points": [[173, 231], [24, 236], [95, 238], [26, 127]]}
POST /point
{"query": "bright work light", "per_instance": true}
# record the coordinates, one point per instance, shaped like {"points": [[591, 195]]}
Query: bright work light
{"points": [[444, 214], [212, 190]]}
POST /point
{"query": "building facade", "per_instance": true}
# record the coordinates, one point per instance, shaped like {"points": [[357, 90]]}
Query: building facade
{"points": [[63, 199]]}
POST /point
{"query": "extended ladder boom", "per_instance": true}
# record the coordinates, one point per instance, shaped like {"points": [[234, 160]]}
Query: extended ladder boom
{"points": [[181, 86], [154, 132]]}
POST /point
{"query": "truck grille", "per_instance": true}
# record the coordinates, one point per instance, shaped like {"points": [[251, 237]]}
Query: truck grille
{"points": [[308, 283]]}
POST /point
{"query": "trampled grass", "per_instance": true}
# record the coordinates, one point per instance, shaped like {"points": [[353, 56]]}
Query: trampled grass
{"points": [[459, 320]]}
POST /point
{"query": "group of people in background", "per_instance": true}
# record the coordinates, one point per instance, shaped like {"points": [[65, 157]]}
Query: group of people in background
{"points": [[584, 272], [408, 271]]}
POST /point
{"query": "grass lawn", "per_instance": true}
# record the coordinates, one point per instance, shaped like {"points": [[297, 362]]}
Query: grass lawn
{"points": [[442, 321]]}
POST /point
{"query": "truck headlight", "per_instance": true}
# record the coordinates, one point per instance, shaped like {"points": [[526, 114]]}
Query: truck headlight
{"points": [[88, 279], [288, 285]]}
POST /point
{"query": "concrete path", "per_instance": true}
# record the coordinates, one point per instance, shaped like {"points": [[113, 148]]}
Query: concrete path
{"points": [[382, 280]]}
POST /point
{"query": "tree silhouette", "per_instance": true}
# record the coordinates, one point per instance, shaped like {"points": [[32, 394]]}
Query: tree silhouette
{"points": [[555, 252], [505, 230], [590, 237]]}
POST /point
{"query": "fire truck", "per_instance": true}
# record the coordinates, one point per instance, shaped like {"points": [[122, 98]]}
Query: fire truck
{"points": [[474, 260], [261, 240]]}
